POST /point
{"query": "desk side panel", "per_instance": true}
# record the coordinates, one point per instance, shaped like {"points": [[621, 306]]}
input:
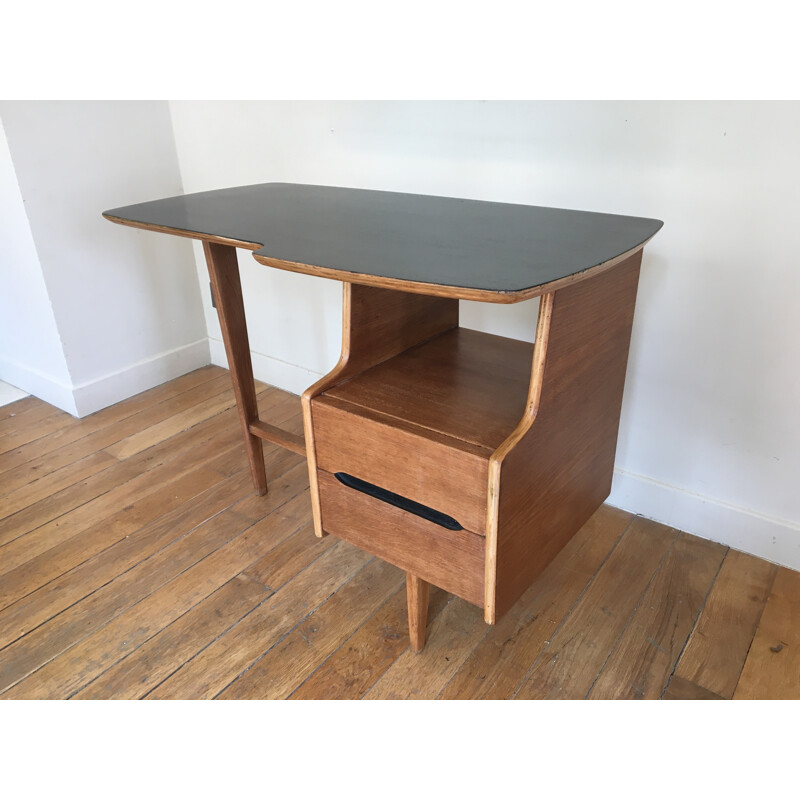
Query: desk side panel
{"points": [[558, 472]]}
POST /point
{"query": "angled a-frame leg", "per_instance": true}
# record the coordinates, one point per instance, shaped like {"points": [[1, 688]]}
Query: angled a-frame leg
{"points": [[417, 592], [223, 270]]}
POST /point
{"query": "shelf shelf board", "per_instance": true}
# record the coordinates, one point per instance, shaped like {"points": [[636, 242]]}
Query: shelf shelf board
{"points": [[464, 384]]}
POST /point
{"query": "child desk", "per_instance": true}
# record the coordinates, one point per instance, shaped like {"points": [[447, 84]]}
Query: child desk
{"points": [[468, 460]]}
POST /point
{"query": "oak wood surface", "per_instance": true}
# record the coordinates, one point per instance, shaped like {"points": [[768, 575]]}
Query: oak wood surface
{"points": [[717, 649], [417, 594], [317, 636], [555, 469], [292, 555], [148, 503], [500, 662], [23, 405], [422, 675], [355, 667], [70, 612], [212, 670], [656, 634], [149, 664], [773, 662], [223, 270], [23, 412], [166, 596], [43, 593], [470, 249], [577, 651], [682, 689], [97, 431]]}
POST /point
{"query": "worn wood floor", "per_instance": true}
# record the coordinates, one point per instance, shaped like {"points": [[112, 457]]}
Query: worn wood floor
{"points": [[135, 561]]}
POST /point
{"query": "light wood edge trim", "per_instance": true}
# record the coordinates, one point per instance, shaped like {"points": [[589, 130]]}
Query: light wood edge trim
{"points": [[317, 388], [415, 287], [441, 290], [274, 435], [202, 237], [496, 459]]}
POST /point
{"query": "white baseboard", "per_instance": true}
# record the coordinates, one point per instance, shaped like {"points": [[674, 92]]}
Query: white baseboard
{"points": [[289, 377], [102, 392], [86, 398], [45, 387], [773, 539]]}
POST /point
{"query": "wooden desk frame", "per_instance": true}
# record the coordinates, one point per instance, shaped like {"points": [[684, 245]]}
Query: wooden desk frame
{"points": [[477, 506], [553, 470]]}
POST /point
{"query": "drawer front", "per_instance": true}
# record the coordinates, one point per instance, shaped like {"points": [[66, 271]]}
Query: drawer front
{"points": [[396, 457], [452, 560]]}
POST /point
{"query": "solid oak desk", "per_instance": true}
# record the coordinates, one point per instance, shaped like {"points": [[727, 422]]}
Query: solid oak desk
{"points": [[468, 460]]}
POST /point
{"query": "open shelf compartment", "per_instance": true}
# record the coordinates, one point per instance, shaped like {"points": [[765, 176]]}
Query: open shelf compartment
{"points": [[424, 423], [463, 384]]}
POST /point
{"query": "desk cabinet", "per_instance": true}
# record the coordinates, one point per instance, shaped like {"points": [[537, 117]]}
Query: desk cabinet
{"points": [[466, 459]]}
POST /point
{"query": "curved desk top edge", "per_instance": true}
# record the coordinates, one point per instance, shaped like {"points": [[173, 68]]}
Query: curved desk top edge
{"points": [[492, 295]]}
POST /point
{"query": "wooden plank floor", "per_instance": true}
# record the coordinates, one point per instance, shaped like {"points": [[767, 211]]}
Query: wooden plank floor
{"points": [[136, 562]]}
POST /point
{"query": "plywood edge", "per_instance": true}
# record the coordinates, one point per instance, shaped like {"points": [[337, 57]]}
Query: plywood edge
{"points": [[305, 401], [515, 437], [412, 287], [201, 237], [446, 290]]}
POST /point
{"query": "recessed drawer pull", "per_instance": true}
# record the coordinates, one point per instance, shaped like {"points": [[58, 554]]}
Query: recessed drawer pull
{"points": [[397, 500]]}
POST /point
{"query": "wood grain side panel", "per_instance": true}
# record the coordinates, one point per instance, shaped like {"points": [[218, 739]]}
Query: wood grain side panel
{"points": [[452, 560], [385, 322], [557, 472], [404, 461]]}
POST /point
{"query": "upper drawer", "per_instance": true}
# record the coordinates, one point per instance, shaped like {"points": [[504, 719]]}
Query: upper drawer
{"points": [[446, 474]]}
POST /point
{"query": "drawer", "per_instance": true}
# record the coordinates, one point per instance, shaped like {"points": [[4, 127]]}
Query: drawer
{"points": [[430, 468], [452, 560]]}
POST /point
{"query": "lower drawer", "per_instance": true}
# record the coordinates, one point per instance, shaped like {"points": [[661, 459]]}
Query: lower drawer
{"points": [[452, 560]]}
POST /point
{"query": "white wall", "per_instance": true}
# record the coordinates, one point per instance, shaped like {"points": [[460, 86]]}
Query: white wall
{"points": [[126, 303], [710, 437], [30, 347]]}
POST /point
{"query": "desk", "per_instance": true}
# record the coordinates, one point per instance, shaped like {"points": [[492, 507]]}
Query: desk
{"points": [[466, 459]]}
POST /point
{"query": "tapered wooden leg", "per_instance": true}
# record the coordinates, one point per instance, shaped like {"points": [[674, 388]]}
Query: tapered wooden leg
{"points": [[223, 270], [417, 592]]}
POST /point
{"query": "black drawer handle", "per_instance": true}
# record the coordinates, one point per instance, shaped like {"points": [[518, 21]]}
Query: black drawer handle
{"points": [[431, 514]]}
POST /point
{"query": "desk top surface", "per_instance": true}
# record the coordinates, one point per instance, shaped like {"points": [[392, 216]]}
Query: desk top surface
{"points": [[496, 252]]}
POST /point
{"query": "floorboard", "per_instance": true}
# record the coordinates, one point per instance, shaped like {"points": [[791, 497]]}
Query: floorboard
{"points": [[137, 562], [643, 657], [773, 662], [721, 639], [575, 655]]}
